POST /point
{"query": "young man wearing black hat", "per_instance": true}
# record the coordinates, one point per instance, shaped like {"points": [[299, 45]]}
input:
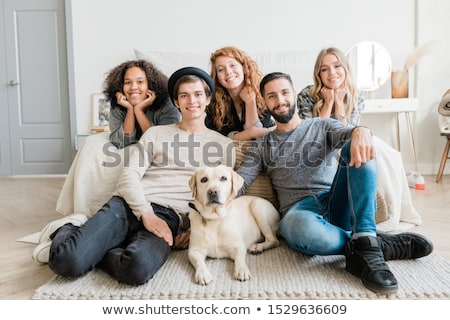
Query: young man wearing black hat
{"points": [[131, 236]]}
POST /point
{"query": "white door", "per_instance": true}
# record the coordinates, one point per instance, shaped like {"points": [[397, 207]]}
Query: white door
{"points": [[35, 132]]}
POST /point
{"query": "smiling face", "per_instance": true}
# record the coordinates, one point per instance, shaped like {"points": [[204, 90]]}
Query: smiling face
{"points": [[192, 99], [279, 97], [230, 73], [135, 85], [332, 72]]}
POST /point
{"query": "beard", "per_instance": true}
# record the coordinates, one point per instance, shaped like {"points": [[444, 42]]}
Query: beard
{"points": [[284, 118]]}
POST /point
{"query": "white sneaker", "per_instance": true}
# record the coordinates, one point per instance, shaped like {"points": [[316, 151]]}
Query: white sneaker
{"points": [[416, 180], [77, 219], [42, 252]]}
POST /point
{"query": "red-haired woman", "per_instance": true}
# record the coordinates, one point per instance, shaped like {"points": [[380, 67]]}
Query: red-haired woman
{"points": [[238, 110]]}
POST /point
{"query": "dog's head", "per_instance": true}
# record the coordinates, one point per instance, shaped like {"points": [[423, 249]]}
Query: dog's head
{"points": [[215, 186]]}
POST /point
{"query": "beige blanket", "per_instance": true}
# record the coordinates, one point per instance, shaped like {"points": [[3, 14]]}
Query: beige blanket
{"points": [[93, 176], [392, 184]]}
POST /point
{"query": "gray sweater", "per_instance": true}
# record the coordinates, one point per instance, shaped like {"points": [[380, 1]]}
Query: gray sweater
{"points": [[300, 163]]}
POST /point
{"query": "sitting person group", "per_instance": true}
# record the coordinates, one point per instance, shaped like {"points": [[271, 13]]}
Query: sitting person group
{"points": [[327, 207]]}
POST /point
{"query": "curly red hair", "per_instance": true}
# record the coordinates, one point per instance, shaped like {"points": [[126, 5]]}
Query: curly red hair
{"points": [[222, 100]]}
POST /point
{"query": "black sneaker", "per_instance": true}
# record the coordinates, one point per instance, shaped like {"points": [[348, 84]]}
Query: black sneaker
{"points": [[364, 259], [404, 245]]}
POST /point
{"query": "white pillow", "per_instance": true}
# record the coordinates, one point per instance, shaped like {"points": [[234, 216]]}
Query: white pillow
{"points": [[169, 62], [298, 64]]}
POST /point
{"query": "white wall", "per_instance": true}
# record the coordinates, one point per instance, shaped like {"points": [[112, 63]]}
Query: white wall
{"points": [[103, 33], [433, 79]]}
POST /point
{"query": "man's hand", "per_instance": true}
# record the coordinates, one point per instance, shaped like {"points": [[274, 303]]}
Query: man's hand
{"points": [[362, 148], [157, 226], [182, 240]]}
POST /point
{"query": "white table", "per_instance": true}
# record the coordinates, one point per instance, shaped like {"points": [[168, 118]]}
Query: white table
{"points": [[406, 106]]}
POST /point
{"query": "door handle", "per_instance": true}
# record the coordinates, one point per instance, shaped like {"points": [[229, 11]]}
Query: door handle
{"points": [[13, 83]]}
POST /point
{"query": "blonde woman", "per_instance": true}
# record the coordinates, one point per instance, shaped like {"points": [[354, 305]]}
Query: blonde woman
{"points": [[333, 94], [238, 109]]}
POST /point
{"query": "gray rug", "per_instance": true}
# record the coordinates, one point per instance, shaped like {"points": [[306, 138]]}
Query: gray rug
{"points": [[276, 274]]}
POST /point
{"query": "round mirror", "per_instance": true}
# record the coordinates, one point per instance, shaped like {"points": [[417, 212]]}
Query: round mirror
{"points": [[371, 65]]}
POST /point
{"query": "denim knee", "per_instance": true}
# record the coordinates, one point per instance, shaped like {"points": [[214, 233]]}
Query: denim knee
{"points": [[76, 250], [66, 262], [311, 234], [294, 228], [139, 269]]}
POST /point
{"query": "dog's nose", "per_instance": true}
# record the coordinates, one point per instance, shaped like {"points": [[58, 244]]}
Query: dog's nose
{"points": [[212, 192]]}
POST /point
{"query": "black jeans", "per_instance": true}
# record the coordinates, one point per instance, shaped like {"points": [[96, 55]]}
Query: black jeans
{"points": [[113, 240]]}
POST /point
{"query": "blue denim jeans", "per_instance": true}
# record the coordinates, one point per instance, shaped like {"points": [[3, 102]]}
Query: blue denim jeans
{"points": [[323, 223], [113, 240]]}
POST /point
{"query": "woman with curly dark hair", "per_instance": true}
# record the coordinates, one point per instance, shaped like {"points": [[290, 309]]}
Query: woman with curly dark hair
{"points": [[238, 109], [139, 99]]}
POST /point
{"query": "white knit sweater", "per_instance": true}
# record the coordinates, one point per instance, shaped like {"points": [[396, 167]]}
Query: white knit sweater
{"points": [[162, 162]]}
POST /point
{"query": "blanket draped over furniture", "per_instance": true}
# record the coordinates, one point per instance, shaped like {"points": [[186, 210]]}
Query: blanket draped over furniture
{"points": [[96, 168]]}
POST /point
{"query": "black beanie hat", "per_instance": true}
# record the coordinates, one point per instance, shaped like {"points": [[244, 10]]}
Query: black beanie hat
{"points": [[189, 71]]}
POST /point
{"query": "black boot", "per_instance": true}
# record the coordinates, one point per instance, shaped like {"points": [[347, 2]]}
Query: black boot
{"points": [[365, 260], [404, 245]]}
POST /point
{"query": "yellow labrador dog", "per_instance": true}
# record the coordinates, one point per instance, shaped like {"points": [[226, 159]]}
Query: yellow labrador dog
{"points": [[223, 226]]}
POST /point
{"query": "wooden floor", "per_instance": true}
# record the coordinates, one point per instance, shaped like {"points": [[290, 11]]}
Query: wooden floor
{"points": [[28, 203]]}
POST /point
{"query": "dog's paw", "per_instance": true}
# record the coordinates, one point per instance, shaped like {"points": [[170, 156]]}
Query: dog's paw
{"points": [[242, 273], [203, 277], [259, 247], [256, 248]]}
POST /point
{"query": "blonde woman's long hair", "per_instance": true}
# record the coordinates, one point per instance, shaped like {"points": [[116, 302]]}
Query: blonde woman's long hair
{"points": [[221, 107], [351, 98]]}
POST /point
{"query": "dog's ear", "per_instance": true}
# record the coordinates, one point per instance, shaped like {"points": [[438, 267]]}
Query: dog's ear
{"points": [[237, 182], [193, 185]]}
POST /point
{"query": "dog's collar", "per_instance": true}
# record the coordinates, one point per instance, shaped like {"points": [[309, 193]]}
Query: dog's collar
{"points": [[192, 206]]}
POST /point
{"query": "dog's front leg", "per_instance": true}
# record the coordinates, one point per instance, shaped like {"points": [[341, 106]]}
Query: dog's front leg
{"points": [[197, 259], [241, 271]]}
